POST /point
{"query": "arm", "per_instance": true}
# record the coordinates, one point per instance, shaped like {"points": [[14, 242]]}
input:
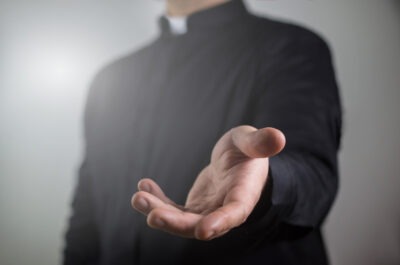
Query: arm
{"points": [[300, 97], [297, 95], [82, 237]]}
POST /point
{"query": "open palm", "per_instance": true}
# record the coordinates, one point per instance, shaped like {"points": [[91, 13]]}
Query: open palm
{"points": [[223, 194]]}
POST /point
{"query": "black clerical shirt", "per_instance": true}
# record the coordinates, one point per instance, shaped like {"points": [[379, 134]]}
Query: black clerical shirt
{"points": [[158, 112]]}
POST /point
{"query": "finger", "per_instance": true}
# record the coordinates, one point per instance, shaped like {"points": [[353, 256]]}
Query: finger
{"points": [[145, 202], [150, 186], [174, 221], [220, 221], [264, 142]]}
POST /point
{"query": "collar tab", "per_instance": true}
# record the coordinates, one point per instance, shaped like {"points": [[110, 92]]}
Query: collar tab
{"points": [[209, 18]]}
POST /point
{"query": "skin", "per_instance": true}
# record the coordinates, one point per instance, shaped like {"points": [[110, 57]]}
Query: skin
{"points": [[224, 193], [187, 7]]}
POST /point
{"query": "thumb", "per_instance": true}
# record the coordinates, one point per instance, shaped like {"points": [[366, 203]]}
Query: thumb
{"points": [[265, 142]]}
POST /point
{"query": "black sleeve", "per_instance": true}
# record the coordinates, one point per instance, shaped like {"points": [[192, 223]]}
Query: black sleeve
{"points": [[81, 238], [298, 95]]}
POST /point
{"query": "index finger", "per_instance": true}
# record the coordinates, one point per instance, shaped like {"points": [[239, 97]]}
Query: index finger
{"points": [[222, 220], [174, 221]]}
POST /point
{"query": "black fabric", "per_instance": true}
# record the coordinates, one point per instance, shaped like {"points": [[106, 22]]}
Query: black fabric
{"points": [[158, 112]]}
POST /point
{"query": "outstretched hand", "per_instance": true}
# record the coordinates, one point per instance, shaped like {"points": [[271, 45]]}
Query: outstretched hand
{"points": [[223, 194]]}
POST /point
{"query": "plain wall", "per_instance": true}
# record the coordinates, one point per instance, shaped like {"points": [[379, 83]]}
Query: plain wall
{"points": [[50, 50]]}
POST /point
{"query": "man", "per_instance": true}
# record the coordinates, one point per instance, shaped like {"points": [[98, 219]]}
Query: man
{"points": [[183, 111]]}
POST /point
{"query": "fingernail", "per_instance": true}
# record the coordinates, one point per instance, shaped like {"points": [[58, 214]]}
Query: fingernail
{"points": [[142, 204], [146, 187], [158, 222], [210, 234]]}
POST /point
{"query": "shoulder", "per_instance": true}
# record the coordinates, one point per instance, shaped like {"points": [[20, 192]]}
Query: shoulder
{"points": [[116, 79], [125, 64], [277, 35]]}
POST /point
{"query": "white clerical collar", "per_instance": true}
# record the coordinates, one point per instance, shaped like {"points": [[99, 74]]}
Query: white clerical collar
{"points": [[178, 25]]}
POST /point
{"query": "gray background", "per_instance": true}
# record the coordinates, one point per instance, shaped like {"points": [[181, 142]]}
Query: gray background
{"points": [[50, 50]]}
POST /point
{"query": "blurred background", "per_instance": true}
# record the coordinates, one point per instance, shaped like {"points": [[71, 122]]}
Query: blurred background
{"points": [[50, 50]]}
